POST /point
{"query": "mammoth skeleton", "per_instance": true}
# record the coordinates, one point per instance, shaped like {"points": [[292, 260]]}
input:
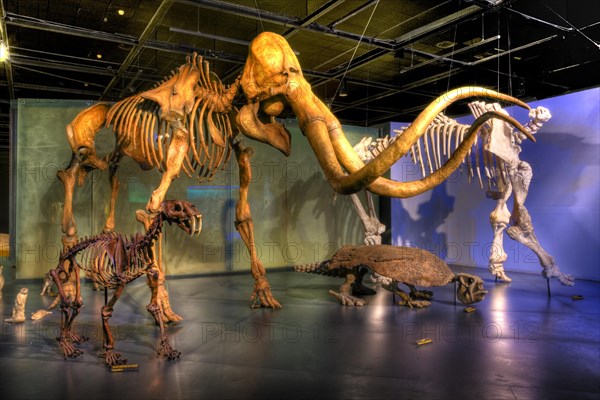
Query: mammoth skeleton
{"points": [[196, 112]]}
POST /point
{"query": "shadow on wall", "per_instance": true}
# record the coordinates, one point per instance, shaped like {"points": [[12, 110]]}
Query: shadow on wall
{"points": [[563, 201], [313, 198], [422, 231]]}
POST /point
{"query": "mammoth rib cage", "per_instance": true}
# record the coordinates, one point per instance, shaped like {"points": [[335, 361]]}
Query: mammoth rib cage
{"points": [[136, 123]]}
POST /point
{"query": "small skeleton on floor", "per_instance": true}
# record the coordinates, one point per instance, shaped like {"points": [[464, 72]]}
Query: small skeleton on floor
{"points": [[70, 288], [113, 260], [18, 311]]}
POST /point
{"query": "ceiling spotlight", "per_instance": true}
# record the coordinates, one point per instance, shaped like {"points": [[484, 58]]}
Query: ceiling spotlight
{"points": [[445, 44], [120, 11], [99, 55], [343, 90]]}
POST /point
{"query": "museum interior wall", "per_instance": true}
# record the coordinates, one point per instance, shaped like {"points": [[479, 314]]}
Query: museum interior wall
{"points": [[4, 187], [452, 220], [297, 218]]}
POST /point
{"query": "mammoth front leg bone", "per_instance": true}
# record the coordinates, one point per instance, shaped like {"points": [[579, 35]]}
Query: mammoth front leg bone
{"points": [[175, 155], [522, 229], [177, 150], [244, 225], [109, 225], [69, 177], [80, 134]]}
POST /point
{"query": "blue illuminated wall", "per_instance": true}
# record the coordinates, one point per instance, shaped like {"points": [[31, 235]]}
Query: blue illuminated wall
{"points": [[452, 220]]}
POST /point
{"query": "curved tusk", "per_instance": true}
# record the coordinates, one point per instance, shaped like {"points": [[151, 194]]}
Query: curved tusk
{"points": [[409, 189], [368, 177], [350, 161], [199, 226], [335, 154]]}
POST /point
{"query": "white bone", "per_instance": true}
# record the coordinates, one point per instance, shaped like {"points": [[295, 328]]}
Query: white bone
{"points": [[432, 138], [426, 145], [438, 140], [420, 156], [446, 138], [412, 154], [476, 150]]}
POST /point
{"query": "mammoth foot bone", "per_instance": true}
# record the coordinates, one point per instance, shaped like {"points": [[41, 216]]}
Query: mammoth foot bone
{"points": [[262, 296], [168, 314]]}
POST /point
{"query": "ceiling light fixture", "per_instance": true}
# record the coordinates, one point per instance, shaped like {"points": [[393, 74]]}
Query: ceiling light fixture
{"points": [[445, 44], [120, 11], [99, 55], [343, 90], [3, 52]]}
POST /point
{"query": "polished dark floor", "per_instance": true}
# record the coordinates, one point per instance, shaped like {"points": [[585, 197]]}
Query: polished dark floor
{"points": [[518, 344]]}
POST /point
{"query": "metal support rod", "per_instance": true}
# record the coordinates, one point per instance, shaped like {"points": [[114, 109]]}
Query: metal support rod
{"points": [[152, 24], [454, 293], [353, 13]]}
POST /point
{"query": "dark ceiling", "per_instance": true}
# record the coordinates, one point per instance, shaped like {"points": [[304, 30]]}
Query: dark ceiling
{"points": [[395, 56]]}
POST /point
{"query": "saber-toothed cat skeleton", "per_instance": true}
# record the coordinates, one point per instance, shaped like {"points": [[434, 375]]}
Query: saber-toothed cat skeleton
{"points": [[193, 102], [504, 170], [113, 260]]}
